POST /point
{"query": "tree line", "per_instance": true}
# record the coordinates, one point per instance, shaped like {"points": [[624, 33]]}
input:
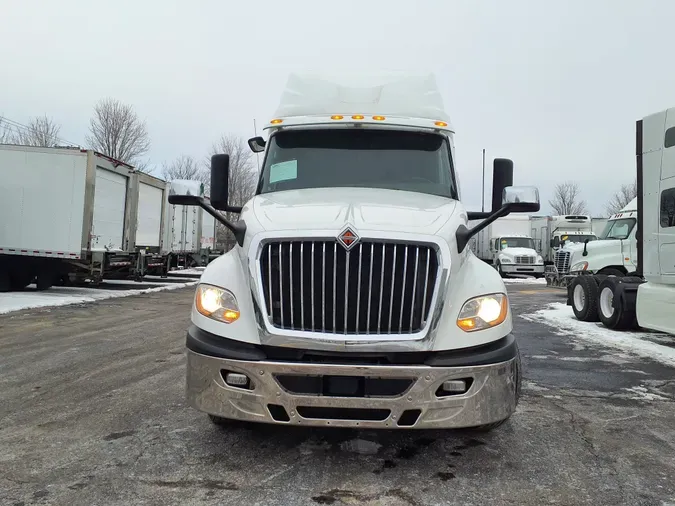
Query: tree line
{"points": [[567, 199], [115, 130]]}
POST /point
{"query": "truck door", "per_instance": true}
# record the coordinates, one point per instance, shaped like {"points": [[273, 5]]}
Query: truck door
{"points": [[667, 227]]}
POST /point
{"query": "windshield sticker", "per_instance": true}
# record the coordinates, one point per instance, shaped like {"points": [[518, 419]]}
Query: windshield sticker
{"points": [[284, 171]]}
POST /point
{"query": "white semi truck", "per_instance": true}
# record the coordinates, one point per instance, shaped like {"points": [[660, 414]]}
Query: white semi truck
{"points": [[507, 245], [551, 233], [351, 298], [613, 253], [645, 297], [68, 214]]}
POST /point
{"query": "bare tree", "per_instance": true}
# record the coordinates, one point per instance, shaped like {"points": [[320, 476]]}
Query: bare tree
{"points": [[118, 132], [622, 197], [6, 133], [41, 131], [185, 167], [242, 180], [668, 208], [566, 199]]}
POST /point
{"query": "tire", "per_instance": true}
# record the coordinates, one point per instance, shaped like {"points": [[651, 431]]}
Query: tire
{"points": [[611, 271], [613, 318], [519, 381], [584, 295], [5, 282], [499, 270], [226, 423]]}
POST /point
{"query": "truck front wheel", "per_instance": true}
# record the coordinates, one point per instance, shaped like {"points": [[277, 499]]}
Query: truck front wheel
{"points": [[585, 298]]}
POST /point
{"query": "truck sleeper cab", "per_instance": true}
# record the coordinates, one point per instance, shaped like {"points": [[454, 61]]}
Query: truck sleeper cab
{"points": [[351, 298]]}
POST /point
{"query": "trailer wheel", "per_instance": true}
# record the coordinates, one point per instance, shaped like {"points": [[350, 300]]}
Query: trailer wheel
{"points": [[45, 280], [585, 298], [614, 318]]}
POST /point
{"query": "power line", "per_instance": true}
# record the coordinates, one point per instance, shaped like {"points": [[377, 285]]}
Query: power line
{"points": [[27, 129]]}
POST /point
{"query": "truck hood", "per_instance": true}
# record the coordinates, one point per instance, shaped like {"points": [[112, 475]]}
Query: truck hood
{"points": [[518, 252], [364, 208]]}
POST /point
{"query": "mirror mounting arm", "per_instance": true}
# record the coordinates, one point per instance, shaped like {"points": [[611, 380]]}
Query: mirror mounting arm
{"points": [[238, 229], [464, 234]]}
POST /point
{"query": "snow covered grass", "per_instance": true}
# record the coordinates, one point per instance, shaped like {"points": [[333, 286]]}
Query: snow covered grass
{"points": [[196, 270], [561, 317], [64, 296]]}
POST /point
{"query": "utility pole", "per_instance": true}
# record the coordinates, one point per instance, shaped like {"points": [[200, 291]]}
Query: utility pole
{"points": [[483, 185], [257, 158]]}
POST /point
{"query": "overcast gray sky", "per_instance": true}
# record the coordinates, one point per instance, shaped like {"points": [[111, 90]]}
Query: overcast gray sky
{"points": [[556, 86]]}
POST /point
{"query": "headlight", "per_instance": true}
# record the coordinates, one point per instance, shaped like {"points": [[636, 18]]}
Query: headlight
{"points": [[539, 259], [505, 260], [483, 312], [579, 266], [217, 303]]}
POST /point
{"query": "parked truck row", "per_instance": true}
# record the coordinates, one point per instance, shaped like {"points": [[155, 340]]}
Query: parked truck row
{"points": [[69, 215]]}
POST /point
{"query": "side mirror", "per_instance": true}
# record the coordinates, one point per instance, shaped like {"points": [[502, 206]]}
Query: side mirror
{"points": [[257, 144], [555, 242], [220, 178], [521, 199], [184, 192]]}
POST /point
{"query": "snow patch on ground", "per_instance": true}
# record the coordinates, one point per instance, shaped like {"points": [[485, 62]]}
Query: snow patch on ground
{"points": [[642, 394], [525, 281], [64, 296], [561, 317], [196, 270]]}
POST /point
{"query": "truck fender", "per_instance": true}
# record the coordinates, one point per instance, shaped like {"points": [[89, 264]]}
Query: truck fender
{"points": [[625, 292]]}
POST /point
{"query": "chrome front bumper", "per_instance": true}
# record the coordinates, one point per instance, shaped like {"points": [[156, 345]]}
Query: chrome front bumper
{"points": [[491, 397]]}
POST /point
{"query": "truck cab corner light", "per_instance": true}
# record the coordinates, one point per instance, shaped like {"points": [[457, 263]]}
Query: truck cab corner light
{"points": [[440, 124]]}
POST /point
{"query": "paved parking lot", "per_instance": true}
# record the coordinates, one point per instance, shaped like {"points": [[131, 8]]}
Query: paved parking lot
{"points": [[92, 411]]}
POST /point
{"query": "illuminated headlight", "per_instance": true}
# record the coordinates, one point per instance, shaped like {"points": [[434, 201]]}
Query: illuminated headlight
{"points": [[216, 303], [483, 312], [579, 266]]}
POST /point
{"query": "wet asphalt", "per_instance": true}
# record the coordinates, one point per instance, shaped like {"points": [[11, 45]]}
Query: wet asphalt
{"points": [[92, 411]]}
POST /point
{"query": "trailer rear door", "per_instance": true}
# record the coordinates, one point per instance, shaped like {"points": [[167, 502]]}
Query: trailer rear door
{"points": [[110, 197], [150, 199]]}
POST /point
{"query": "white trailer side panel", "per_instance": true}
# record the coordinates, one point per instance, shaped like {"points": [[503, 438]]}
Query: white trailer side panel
{"points": [[208, 238], [41, 201], [149, 224], [192, 231], [110, 198], [177, 227]]}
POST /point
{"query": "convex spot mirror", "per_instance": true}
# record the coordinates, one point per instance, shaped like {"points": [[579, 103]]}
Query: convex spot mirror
{"points": [[521, 199]]}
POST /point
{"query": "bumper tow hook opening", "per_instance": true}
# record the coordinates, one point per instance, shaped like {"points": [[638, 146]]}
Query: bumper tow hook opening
{"points": [[278, 413]]}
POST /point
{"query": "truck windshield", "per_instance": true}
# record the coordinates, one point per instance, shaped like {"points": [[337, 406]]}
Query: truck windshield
{"points": [[390, 159], [567, 239], [618, 229], [516, 242]]}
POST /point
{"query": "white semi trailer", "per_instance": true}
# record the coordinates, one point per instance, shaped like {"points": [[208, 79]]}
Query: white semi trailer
{"points": [[351, 298], [66, 214], [508, 246], [645, 297]]}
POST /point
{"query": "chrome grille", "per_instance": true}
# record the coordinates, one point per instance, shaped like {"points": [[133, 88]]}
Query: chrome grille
{"points": [[374, 288], [562, 261], [524, 259]]}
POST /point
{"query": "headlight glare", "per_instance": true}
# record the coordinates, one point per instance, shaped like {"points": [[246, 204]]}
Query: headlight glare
{"points": [[216, 303], [483, 312]]}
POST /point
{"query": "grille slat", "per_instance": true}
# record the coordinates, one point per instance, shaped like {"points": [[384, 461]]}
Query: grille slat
{"points": [[524, 260], [308, 288]]}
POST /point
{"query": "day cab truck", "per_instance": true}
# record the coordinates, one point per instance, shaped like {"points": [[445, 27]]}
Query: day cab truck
{"points": [[551, 233], [351, 298], [646, 296], [508, 246]]}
